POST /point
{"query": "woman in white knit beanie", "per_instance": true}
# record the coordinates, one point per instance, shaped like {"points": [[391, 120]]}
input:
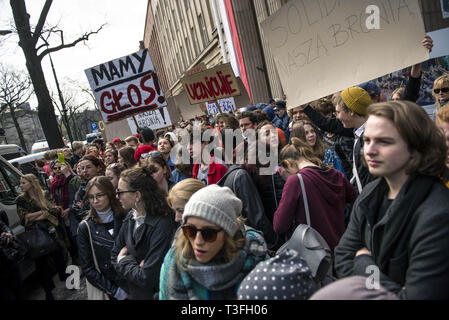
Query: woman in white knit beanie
{"points": [[214, 251]]}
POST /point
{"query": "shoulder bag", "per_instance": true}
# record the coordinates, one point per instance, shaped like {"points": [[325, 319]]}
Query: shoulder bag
{"points": [[38, 240], [93, 293], [310, 245]]}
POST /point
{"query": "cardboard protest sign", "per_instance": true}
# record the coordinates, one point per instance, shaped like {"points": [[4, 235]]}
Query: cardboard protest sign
{"points": [[243, 99], [215, 83], [226, 104], [154, 119], [321, 47], [187, 110], [126, 86]]}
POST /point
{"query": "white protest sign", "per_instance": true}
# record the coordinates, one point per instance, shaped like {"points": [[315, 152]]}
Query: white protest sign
{"points": [[226, 104], [324, 46], [154, 119], [126, 86]]}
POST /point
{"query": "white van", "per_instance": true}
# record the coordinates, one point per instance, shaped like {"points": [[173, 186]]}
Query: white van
{"points": [[9, 190], [27, 162], [40, 146]]}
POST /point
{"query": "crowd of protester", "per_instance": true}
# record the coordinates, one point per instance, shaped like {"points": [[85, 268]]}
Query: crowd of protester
{"points": [[145, 218]]}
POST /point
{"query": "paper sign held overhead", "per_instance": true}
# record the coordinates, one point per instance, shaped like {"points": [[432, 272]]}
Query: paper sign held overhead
{"points": [[154, 119], [126, 86], [321, 47], [215, 83], [226, 105]]}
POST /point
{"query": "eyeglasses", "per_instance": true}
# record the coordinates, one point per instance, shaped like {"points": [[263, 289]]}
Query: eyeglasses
{"points": [[119, 192], [95, 196], [443, 90], [153, 154], [208, 234]]}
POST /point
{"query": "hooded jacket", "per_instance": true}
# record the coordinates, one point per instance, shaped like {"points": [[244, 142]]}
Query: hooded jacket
{"points": [[328, 191]]}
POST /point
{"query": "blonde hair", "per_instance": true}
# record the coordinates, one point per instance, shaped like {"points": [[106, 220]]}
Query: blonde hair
{"points": [[440, 81], [231, 248], [443, 114], [184, 190], [42, 202]]}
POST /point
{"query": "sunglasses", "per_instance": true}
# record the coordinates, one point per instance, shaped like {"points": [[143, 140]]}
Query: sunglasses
{"points": [[443, 90], [208, 234]]}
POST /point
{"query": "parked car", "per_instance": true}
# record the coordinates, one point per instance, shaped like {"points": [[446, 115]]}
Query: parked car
{"points": [[9, 190], [11, 151], [39, 146], [92, 136]]}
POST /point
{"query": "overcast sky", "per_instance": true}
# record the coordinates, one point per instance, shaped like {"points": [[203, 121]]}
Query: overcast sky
{"points": [[125, 28]]}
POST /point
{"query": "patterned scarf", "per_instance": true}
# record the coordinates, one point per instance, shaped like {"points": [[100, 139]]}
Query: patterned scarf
{"points": [[59, 189], [212, 276]]}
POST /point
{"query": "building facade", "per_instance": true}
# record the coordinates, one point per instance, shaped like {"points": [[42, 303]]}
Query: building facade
{"points": [[182, 34]]}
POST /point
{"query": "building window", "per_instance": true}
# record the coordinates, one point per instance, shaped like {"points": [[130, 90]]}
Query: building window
{"points": [[195, 42], [189, 51], [187, 4], [203, 31]]}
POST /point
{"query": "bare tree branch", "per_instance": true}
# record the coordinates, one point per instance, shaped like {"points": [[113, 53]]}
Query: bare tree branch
{"points": [[41, 22], [84, 37]]}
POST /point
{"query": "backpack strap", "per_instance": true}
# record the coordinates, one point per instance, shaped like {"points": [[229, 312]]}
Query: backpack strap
{"points": [[304, 197]]}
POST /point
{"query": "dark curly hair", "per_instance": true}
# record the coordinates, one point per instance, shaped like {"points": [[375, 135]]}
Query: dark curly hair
{"points": [[154, 200]]}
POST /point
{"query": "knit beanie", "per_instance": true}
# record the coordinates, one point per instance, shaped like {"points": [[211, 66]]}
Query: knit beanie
{"points": [[284, 277], [217, 205], [356, 99]]}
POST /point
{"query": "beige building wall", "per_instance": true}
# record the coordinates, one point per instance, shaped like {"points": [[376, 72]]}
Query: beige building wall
{"points": [[187, 36]]}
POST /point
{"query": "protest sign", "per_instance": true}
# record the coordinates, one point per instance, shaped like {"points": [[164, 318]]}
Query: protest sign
{"points": [[187, 110], [126, 86], [321, 47], [215, 83], [154, 119], [226, 104]]}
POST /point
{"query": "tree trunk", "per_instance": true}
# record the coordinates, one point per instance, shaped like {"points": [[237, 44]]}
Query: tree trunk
{"points": [[46, 112], [19, 131]]}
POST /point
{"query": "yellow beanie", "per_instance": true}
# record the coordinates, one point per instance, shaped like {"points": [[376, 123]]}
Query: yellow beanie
{"points": [[356, 99]]}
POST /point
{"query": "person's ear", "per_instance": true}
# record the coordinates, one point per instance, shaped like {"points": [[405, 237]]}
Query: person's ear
{"points": [[138, 196]]}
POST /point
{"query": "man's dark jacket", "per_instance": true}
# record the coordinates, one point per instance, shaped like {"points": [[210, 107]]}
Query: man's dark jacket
{"points": [[417, 265]]}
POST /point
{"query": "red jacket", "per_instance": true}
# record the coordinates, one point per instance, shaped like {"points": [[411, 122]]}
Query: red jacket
{"points": [[216, 171]]}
